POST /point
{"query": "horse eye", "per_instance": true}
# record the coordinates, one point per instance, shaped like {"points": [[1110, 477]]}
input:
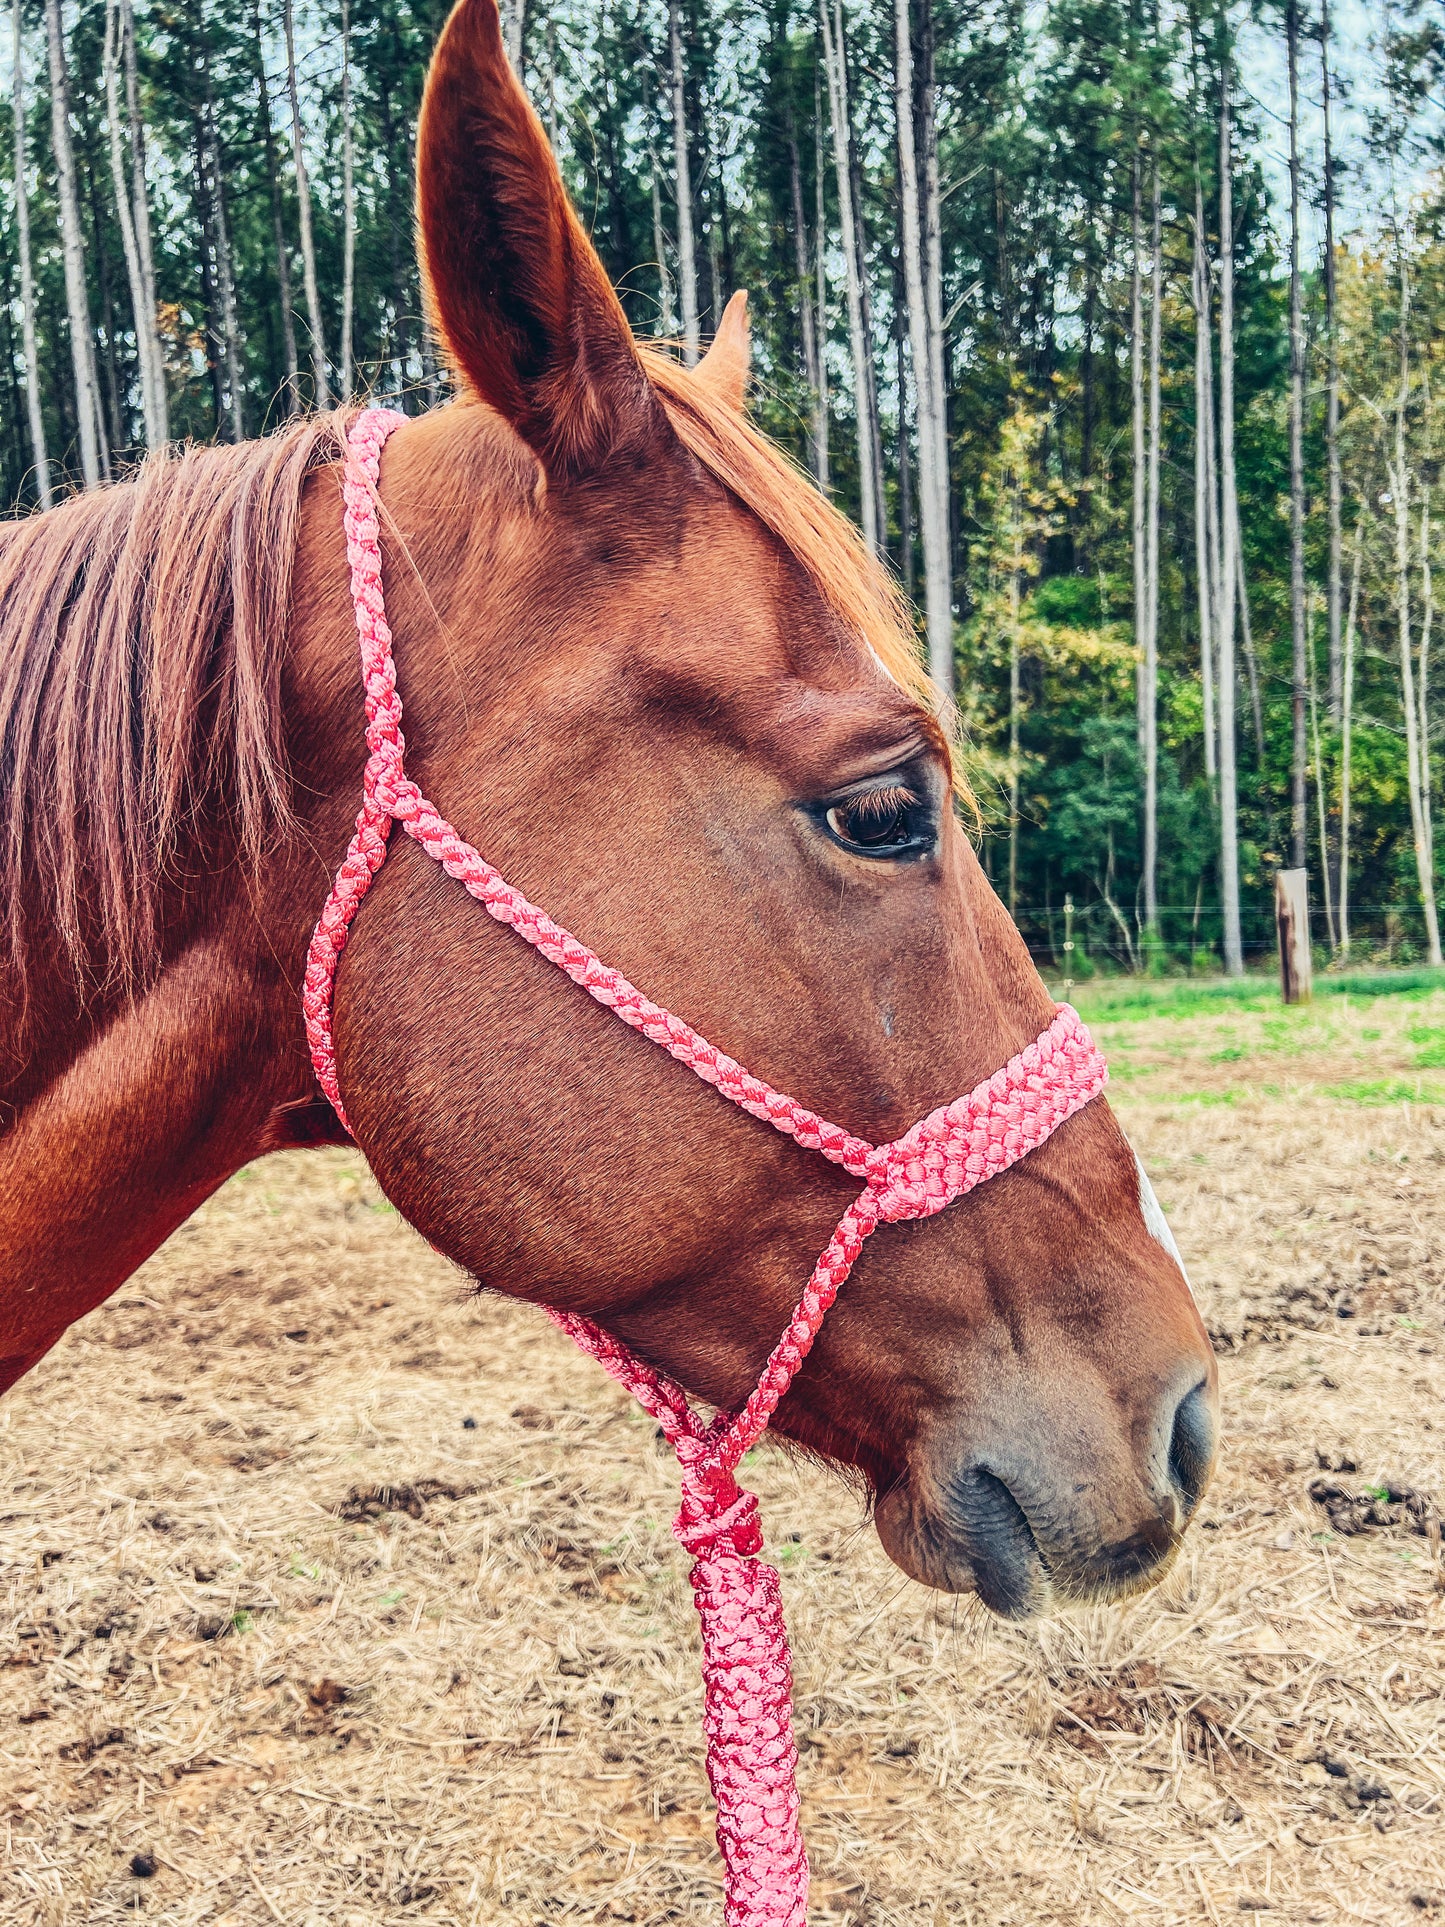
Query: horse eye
{"points": [[879, 822]]}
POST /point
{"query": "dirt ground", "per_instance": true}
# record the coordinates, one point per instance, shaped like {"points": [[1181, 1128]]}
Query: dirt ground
{"points": [[331, 1598]]}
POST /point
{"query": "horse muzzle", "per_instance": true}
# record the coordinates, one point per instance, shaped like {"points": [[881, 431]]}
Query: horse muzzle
{"points": [[1062, 1504]]}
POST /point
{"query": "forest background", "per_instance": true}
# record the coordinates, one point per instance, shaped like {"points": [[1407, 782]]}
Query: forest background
{"points": [[1117, 324]]}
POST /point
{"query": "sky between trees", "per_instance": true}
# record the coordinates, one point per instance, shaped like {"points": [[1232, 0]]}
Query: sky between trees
{"points": [[1024, 295]]}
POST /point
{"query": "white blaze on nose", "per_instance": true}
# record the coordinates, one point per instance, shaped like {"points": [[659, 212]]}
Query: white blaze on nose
{"points": [[1155, 1222]]}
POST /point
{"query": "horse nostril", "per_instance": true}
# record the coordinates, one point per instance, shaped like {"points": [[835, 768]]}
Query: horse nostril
{"points": [[1191, 1447]]}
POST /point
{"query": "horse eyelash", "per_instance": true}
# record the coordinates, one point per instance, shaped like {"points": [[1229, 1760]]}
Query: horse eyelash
{"points": [[880, 802]]}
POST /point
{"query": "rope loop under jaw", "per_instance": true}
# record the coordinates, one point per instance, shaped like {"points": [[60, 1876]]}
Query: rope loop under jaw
{"points": [[747, 1679]]}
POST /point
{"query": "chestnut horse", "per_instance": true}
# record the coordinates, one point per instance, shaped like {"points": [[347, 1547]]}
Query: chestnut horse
{"points": [[655, 678]]}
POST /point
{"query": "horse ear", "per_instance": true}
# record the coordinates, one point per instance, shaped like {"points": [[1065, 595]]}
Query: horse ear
{"points": [[724, 368], [516, 290]]}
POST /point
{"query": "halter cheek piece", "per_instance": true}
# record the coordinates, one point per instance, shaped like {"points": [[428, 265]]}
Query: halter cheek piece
{"points": [[747, 1682]]}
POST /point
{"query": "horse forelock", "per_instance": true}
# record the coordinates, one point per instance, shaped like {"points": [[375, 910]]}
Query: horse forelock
{"points": [[143, 630]]}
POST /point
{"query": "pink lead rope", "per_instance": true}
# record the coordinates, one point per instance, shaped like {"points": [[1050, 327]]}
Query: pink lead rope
{"points": [[747, 1679]]}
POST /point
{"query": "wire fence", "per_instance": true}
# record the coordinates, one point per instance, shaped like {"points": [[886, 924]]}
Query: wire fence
{"points": [[1083, 938]]}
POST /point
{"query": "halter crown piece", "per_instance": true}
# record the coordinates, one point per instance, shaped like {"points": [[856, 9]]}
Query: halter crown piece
{"points": [[747, 1679]]}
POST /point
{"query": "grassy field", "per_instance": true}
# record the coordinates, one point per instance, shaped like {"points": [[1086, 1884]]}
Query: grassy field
{"points": [[331, 1598]]}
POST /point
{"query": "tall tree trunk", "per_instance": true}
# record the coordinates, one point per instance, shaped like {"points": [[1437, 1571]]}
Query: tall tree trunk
{"points": [[514, 31], [205, 254], [906, 472], [941, 661], [278, 218], [225, 270], [1229, 533], [928, 397], [14, 454], [1014, 698], [113, 431], [686, 246], [1139, 465], [659, 248], [212, 168], [1087, 357], [303, 206], [817, 440], [1251, 664], [839, 115], [398, 342], [1332, 376], [40, 459], [142, 299], [709, 183], [348, 207], [1216, 507], [1400, 490], [820, 251], [1321, 818], [77, 300], [141, 216], [1422, 692], [1151, 560], [666, 314], [1206, 485], [609, 134], [1347, 714], [1299, 799], [865, 289]]}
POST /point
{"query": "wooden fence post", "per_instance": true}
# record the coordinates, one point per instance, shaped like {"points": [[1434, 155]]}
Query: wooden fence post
{"points": [[1292, 921]]}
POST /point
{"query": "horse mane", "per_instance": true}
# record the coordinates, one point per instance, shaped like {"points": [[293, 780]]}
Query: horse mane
{"points": [[142, 637], [143, 634]]}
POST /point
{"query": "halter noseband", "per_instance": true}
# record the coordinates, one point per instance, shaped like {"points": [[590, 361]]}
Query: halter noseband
{"points": [[747, 1681]]}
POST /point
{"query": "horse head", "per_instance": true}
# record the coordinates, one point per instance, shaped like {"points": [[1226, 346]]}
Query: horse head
{"points": [[656, 680]]}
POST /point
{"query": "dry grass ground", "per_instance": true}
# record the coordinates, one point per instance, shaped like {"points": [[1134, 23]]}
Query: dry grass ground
{"points": [[329, 1598]]}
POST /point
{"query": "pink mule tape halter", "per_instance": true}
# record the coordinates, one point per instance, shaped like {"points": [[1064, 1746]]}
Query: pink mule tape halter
{"points": [[747, 1681]]}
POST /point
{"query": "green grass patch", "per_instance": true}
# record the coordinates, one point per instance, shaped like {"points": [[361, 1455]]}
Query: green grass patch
{"points": [[1386, 1090], [1429, 1040], [1107, 999], [1137, 997], [1381, 983]]}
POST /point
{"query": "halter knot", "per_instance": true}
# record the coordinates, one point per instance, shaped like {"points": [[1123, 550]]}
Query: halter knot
{"points": [[711, 1527], [991, 1127]]}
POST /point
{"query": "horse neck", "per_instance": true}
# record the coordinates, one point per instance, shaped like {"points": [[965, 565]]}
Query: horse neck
{"points": [[133, 1084]]}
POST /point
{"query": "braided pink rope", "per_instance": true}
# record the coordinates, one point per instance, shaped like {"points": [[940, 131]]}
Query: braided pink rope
{"points": [[747, 1681]]}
